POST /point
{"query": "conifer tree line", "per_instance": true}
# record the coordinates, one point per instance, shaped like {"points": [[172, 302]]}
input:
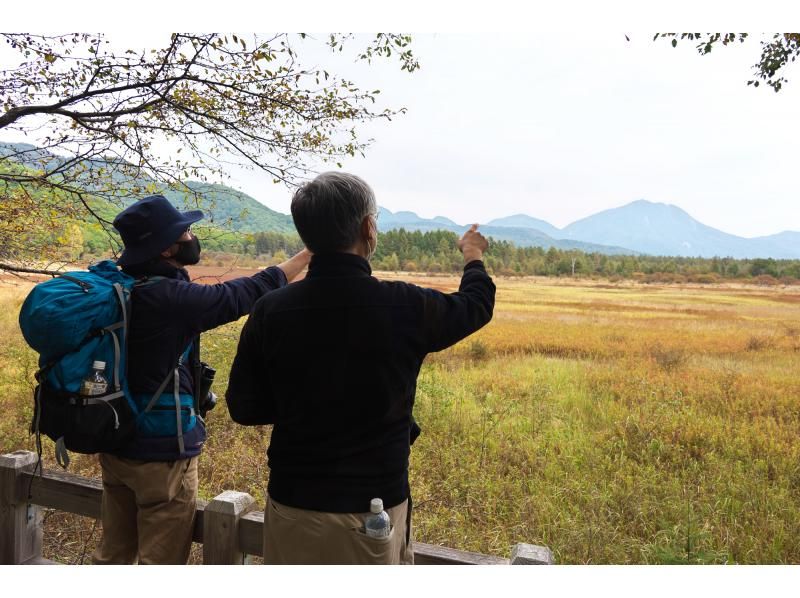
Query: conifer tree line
{"points": [[435, 252]]}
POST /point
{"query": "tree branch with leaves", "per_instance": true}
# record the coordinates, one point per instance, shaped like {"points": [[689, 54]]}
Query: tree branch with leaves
{"points": [[776, 52], [116, 124]]}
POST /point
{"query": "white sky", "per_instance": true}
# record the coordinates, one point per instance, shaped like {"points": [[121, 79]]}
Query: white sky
{"points": [[560, 129], [563, 125]]}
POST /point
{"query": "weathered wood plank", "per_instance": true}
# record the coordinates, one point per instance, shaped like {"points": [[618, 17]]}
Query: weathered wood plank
{"points": [[531, 554], [38, 560], [82, 496], [76, 494], [221, 528], [20, 522], [199, 519], [251, 533], [430, 554], [66, 492]]}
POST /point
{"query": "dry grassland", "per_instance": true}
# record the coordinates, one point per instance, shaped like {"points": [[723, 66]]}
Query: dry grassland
{"points": [[615, 423]]}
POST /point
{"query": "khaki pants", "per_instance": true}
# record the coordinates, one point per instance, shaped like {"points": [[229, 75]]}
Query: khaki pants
{"points": [[148, 510], [301, 537]]}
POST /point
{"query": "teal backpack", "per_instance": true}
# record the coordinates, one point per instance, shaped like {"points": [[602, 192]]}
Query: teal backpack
{"points": [[73, 320]]}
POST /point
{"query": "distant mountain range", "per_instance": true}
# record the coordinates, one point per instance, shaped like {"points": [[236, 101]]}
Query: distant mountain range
{"points": [[665, 229], [523, 236], [638, 227]]}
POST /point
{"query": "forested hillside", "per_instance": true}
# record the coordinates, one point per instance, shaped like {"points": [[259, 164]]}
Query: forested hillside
{"points": [[239, 225]]}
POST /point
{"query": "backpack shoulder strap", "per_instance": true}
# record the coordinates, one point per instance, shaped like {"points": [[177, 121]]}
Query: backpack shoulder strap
{"points": [[173, 375], [173, 372]]}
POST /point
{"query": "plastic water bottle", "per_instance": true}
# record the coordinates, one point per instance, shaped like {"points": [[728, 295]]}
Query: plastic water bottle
{"points": [[377, 523], [95, 384]]}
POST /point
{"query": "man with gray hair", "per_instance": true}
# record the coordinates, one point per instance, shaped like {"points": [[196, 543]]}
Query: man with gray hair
{"points": [[332, 363]]}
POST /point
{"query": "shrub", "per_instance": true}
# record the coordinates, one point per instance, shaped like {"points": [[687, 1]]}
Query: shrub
{"points": [[478, 350], [709, 278], [757, 343], [765, 280], [668, 359]]}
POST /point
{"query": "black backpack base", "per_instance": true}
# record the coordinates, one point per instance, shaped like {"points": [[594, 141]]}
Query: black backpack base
{"points": [[95, 425]]}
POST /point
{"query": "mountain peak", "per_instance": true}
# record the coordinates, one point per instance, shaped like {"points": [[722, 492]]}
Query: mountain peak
{"points": [[525, 221], [666, 229], [647, 204]]}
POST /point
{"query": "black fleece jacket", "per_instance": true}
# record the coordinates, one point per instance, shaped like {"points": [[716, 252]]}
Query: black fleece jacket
{"points": [[332, 362]]}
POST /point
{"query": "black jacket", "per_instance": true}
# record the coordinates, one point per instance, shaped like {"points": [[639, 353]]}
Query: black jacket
{"points": [[332, 361], [166, 316]]}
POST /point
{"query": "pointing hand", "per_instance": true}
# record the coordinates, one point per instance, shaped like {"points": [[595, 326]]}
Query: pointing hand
{"points": [[472, 244]]}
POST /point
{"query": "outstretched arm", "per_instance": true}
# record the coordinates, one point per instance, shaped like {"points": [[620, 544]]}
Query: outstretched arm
{"points": [[448, 318], [203, 307]]}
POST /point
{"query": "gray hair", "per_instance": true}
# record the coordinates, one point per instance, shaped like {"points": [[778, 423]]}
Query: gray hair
{"points": [[328, 211]]}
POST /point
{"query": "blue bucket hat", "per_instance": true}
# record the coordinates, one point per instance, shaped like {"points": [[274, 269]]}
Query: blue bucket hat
{"points": [[149, 227]]}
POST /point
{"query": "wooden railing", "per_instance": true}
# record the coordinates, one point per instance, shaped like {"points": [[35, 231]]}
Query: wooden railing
{"points": [[229, 527]]}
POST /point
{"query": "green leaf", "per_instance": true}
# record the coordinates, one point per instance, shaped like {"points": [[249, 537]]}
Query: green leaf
{"points": [[674, 42]]}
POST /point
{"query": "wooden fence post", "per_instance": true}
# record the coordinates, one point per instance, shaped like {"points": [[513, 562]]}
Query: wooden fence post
{"points": [[20, 523], [221, 528], [531, 554]]}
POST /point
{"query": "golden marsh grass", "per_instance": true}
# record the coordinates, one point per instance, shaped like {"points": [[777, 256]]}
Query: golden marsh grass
{"points": [[614, 423]]}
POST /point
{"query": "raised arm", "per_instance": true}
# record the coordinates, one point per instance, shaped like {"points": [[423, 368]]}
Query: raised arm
{"points": [[203, 307], [295, 264], [448, 318]]}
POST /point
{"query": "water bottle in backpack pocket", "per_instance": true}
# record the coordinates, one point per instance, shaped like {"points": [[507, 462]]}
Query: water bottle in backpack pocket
{"points": [[84, 423], [75, 321]]}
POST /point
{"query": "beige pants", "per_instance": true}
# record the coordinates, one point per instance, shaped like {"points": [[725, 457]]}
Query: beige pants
{"points": [[148, 510], [300, 537]]}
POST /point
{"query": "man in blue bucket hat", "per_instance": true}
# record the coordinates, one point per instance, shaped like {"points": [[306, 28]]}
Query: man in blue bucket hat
{"points": [[150, 485]]}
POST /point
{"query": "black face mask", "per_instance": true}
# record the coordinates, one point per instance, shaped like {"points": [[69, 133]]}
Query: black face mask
{"points": [[188, 252]]}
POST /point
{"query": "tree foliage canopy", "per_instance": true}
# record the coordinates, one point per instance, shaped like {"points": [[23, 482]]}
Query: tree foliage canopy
{"points": [[133, 121], [776, 53]]}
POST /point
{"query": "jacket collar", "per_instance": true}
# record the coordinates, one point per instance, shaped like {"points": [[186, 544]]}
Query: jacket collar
{"points": [[338, 264], [157, 267]]}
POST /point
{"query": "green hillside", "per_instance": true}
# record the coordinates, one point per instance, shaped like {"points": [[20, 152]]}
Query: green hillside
{"points": [[224, 206], [48, 224], [228, 208]]}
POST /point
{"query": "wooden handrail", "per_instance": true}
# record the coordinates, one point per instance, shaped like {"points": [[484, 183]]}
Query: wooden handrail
{"points": [[229, 527]]}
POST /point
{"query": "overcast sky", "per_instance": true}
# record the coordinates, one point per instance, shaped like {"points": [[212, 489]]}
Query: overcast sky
{"points": [[560, 126]]}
